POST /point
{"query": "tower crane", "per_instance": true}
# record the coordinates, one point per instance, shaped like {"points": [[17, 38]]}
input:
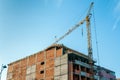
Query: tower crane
{"points": [[87, 20], [89, 40]]}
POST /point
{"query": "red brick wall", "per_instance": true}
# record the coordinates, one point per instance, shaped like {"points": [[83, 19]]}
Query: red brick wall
{"points": [[59, 52], [31, 60], [10, 68], [23, 63], [50, 54], [18, 69], [40, 56], [49, 63], [49, 72]]}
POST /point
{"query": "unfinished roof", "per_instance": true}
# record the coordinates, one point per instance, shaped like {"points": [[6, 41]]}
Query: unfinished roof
{"points": [[55, 46]]}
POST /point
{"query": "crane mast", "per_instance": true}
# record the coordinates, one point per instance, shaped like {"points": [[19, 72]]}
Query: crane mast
{"points": [[89, 31], [89, 40]]}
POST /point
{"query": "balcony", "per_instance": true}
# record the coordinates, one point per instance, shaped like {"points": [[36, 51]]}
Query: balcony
{"points": [[82, 63]]}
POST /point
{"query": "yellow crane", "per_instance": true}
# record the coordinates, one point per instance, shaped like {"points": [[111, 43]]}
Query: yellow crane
{"points": [[87, 20], [89, 40]]}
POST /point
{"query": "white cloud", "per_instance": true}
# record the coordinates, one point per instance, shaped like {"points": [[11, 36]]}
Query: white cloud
{"points": [[117, 7], [117, 14], [115, 25]]}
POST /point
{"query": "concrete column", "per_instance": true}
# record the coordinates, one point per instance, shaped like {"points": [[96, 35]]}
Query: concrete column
{"points": [[70, 73]]}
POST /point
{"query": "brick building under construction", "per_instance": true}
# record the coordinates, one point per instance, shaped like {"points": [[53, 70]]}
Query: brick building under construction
{"points": [[56, 62]]}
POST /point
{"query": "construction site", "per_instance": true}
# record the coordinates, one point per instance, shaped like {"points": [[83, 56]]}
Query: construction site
{"points": [[58, 62]]}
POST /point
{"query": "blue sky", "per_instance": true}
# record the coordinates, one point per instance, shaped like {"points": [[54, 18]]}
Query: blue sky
{"points": [[29, 26]]}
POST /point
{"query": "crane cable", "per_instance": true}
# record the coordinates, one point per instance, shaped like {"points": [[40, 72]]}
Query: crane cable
{"points": [[98, 59]]}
